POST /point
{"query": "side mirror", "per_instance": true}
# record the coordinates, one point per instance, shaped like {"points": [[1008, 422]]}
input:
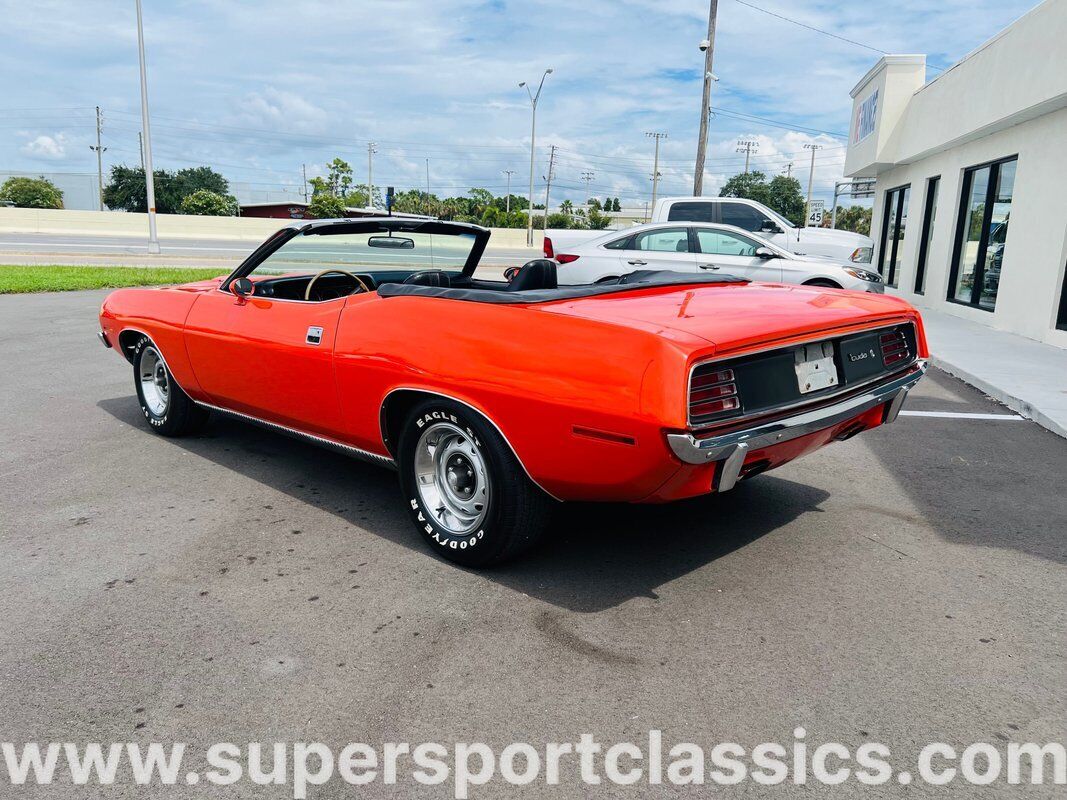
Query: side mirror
{"points": [[242, 287], [769, 227], [510, 273], [765, 252]]}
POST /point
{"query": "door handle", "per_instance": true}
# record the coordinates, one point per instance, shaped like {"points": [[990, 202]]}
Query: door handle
{"points": [[708, 266], [637, 262]]}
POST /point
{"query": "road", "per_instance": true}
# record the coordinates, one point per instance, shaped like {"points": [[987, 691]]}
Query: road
{"points": [[903, 587], [32, 248]]}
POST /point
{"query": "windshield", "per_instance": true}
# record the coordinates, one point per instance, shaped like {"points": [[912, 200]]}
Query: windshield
{"points": [[315, 251]]}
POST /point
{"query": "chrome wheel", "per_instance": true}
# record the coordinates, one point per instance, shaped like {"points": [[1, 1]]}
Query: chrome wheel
{"points": [[452, 478], [155, 382]]}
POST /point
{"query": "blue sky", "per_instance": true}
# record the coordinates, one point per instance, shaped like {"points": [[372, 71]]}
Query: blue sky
{"points": [[257, 89]]}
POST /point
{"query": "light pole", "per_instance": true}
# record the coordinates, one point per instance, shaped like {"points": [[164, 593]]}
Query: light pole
{"points": [[99, 163], [149, 178], [708, 46], [372, 148], [747, 146], [534, 97]]}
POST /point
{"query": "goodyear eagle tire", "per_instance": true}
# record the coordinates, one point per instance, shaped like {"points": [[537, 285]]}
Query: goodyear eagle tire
{"points": [[468, 496], [166, 408]]}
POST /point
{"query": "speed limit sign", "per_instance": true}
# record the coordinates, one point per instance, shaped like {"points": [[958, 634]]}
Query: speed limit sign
{"points": [[815, 213]]}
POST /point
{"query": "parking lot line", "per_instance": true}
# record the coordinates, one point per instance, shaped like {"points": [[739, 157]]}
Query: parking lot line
{"points": [[960, 415]]}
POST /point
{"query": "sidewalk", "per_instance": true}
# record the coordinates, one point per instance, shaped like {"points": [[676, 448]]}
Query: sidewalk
{"points": [[1028, 377]]}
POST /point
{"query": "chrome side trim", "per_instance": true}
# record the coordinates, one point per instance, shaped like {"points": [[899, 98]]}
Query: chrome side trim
{"points": [[725, 448], [103, 339], [771, 348], [312, 437], [478, 411]]}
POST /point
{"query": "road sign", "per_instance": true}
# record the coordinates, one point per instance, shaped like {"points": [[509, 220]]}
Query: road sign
{"points": [[815, 213]]}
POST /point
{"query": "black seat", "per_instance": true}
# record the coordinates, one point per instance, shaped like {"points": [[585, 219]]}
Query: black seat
{"points": [[429, 277], [537, 274]]}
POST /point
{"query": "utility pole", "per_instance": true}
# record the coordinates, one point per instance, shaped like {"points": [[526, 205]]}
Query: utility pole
{"points": [[427, 180], [588, 176], [811, 177], [548, 181], [304, 173], [99, 163], [789, 170], [150, 183], [708, 46], [507, 200], [655, 165], [747, 146], [533, 132], [372, 148]]}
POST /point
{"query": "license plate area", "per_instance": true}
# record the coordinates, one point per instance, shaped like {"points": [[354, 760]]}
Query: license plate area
{"points": [[815, 368]]}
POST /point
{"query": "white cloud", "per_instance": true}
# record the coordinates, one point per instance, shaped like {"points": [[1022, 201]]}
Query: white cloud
{"points": [[50, 148]]}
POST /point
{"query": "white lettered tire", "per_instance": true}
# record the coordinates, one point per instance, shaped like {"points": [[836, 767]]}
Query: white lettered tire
{"points": [[467, 494], [166, 408]]}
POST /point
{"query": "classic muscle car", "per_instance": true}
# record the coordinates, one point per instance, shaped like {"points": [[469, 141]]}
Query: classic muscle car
{"points": [[495, 398]]}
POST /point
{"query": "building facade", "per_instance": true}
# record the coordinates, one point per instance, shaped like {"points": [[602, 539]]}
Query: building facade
{"points": [[970, 168]]}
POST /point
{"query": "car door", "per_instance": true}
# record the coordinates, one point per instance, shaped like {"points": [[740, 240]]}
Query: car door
{"points": [[268, 357], [734, 254], [664, 248]]}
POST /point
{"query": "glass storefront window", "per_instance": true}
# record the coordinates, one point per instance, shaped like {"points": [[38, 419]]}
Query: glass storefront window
{"points": [[894, 223], [982, 233], [932, 186]]}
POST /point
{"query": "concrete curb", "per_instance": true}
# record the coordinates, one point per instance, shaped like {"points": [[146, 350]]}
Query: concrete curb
{"points": [[1016, 404]]}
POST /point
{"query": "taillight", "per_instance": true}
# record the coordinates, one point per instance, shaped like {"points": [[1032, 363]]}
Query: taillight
{"points": [[566, 258], [894, 347], [548, 248], [712, 393]]}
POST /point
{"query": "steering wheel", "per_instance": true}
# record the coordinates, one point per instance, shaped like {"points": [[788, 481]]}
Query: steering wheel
{"points": [[311, 283]]}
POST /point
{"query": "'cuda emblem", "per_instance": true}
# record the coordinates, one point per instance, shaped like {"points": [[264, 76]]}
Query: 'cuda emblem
{"points": [[860, 356]]}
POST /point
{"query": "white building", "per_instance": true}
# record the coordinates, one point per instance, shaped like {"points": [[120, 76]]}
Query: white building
{"points": [[970, 211]]}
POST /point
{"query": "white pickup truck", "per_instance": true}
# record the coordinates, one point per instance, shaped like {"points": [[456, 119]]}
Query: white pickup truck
{"points": [[747, 215]]}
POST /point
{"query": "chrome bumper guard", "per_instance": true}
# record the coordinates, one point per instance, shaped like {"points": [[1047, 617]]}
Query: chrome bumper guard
{"points": [[731, 448], [103, 339]]}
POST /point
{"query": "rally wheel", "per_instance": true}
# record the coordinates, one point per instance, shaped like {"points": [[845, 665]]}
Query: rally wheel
{"points": [[168, 410]]}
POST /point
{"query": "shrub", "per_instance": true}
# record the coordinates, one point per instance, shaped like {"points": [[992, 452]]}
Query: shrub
{"points": [[31, 193], [205, 203]]}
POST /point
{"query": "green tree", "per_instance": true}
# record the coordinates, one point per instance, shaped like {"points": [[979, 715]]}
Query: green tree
{"points": [[594, 204], [126, 190], [854, 218], [616, 205], [596, 220], [31, 193], [194, 179], [206, 203], [326, 205], [558, 220]]}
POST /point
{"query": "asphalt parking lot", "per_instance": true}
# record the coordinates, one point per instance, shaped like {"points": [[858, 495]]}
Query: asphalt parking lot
{"points": [[906, 586]]}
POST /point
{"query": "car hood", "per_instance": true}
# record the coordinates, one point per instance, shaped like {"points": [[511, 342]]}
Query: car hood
{"points": [[736, 315]]}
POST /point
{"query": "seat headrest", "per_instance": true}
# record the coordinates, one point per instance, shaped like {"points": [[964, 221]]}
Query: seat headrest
{"points": [[537, 274], [429, 277]]}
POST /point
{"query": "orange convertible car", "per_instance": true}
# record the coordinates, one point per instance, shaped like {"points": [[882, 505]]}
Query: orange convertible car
{"points": [[495, 398]]}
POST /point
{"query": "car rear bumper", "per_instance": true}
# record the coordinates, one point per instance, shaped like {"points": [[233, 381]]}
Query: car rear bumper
{"points": [[731, 449]]}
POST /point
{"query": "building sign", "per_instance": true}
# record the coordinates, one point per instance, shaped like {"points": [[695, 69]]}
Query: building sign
{"points": [[863, 125]]}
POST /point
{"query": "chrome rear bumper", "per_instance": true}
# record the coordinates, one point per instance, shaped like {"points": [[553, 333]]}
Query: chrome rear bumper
{"points": [[731, 448]]}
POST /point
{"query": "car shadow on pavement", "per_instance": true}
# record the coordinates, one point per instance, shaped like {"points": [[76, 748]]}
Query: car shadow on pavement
{"points": [[596, 556]]}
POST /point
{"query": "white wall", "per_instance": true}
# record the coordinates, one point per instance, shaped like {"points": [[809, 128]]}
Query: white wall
{"points": [[1035, 251]]}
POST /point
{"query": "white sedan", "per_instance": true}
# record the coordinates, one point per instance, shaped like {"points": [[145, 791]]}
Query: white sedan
{"points": [[698, 247]]}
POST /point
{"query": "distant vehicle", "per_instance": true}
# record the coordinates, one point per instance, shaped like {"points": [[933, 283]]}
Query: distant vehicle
{"points": [[700, 248], [748, 215]]}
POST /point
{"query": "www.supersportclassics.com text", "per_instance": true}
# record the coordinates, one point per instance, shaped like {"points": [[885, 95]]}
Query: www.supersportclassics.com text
{"points": [[583, 761]]}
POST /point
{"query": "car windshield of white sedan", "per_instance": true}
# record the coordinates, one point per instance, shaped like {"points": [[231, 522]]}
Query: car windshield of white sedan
{"points": [[311, 253]]}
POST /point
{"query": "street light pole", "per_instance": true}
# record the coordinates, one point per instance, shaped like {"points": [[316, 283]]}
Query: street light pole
{"points": [[533, 133], [149, 178], [708, 46], [372, 148]]}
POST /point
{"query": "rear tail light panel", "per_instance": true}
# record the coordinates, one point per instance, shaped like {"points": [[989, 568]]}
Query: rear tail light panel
{"points": [[566, 258]]}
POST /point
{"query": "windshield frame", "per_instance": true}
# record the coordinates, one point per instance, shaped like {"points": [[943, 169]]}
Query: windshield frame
{"points": [[370, 225]]}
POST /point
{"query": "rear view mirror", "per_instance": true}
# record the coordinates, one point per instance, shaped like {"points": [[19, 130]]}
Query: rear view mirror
{"points": [[765, 252], [391, 242]]}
